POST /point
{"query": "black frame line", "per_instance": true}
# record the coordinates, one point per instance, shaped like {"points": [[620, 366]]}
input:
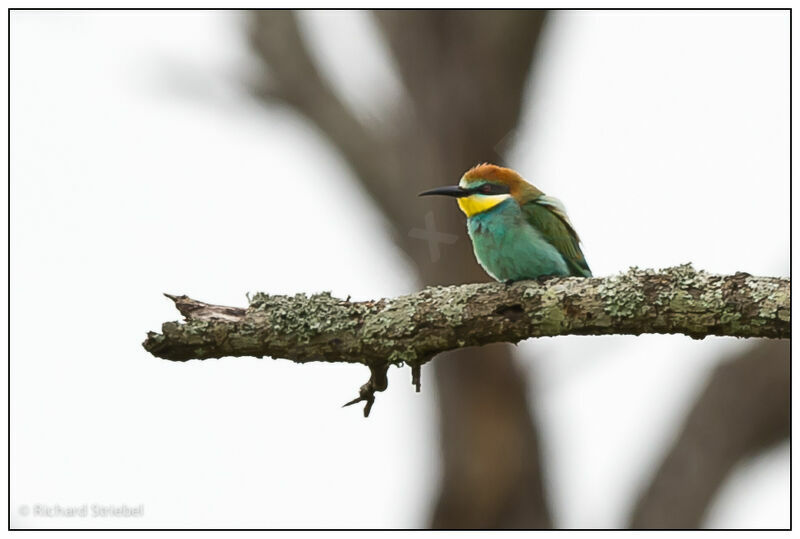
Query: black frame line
{"points": [[10, 10]]}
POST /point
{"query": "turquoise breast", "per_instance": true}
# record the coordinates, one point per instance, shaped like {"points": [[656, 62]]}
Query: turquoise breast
{"points": [[509, 248]]}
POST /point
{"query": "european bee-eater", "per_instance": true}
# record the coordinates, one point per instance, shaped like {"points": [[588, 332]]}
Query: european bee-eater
{"points": [[517, 231]]}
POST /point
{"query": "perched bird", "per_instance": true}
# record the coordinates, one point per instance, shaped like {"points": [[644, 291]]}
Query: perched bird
{"points": [[517, 231]]}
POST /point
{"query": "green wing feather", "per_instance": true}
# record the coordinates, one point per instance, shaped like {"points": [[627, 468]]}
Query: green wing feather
{"points": [[548, 216]]}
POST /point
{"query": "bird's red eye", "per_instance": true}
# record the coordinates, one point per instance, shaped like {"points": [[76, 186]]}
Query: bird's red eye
{"points": [[486, 188]]}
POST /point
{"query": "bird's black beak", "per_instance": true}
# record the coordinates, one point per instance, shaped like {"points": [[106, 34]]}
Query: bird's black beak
{"points": [[450, 191]]}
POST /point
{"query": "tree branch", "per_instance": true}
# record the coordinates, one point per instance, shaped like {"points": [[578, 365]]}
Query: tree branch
{"points": [[412, 329], [293, 79], [745, 408]]}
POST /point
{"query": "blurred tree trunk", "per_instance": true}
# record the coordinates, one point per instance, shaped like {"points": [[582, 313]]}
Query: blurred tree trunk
{"points": [[744, 409], [464, 73]]}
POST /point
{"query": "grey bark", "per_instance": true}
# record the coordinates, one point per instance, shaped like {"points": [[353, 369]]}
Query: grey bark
{"points": [[412, 329]]}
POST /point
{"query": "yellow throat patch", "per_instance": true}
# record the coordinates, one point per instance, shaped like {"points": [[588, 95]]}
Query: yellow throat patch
{"points": [[477, 203]]}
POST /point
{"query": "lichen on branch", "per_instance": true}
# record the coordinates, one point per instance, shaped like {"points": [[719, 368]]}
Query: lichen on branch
{"points": [[412, 329]]}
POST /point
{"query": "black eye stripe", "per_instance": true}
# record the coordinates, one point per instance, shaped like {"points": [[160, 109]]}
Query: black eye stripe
{"points": [[490, 189]]}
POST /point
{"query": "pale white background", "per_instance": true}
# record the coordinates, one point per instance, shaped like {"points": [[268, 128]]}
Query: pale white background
{"points": [[139, 165]]}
